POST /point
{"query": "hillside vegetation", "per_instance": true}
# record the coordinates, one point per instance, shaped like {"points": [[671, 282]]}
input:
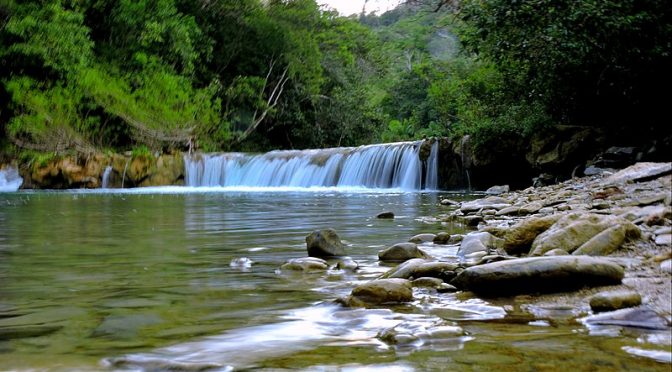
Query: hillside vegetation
{"points": [[80, 76]]}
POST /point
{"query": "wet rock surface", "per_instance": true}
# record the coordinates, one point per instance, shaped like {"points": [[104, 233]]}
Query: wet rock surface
{"points": [[401, 252], [305, 264], [379, 292], [324, 243]]}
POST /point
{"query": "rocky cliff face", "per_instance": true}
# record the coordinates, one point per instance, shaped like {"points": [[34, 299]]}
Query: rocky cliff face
{"points": [[548, 157], [89, 171]]}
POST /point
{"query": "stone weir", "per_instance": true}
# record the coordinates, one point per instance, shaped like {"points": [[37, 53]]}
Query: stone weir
{"points": [[402, 165]]}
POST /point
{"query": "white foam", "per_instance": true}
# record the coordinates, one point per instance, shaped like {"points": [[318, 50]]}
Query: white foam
{"points": [[10, 180]]}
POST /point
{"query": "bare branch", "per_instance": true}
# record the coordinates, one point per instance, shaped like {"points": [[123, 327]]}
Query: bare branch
{"points": [[271, 101]]}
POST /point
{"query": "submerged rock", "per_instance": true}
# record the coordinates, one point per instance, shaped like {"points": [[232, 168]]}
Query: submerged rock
{"points": [[324, 243], [427, 282], [401, 252], [638, 317], [305, 264], [379, 292], [385, 215], [422, 238], [608, 301], [347, 263], [539, 274], [406, 333]]}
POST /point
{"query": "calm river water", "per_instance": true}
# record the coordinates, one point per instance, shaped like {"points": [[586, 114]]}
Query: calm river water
{"points": [[143, 280]]}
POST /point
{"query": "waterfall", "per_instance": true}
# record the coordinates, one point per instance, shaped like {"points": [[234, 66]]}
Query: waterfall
{"points": [[431, 176], [10, 180], [105, 183], [395, 165], [123, 176]]}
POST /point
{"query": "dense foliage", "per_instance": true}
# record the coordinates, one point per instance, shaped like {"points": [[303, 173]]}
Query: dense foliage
{"points": [[81, 75], [87, 75]]}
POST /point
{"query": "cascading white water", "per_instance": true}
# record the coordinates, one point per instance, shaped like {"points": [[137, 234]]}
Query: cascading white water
{"points": [[106, 177], [431, 175], [395, 165], [10, 180]]}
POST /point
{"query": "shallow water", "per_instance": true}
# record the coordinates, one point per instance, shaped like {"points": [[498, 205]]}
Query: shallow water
{"points": [[143, 280]]}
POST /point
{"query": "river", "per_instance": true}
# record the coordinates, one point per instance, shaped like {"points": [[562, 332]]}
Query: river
{"points": [[143, 279]]}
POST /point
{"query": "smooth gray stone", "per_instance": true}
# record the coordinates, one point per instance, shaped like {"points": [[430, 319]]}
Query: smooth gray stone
{"points": [[539, 274]]}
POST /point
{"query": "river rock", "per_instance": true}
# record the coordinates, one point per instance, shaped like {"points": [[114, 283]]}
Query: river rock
{"points": [[519, 238], [530, 208], [417, 268], [640, 172], [385, 215], [664, 239], [449, 202], [574, 230], [491, 202], [497, 190], [401, 252], [379, 292], [422, 238], [603, 243], [557, 252], [666, 266], [638, 317], [539, 274], [427, 282], [445, 271], [508, 211], [410, 332], [441, 238], [478, 242], [472, 221], [614, 300], [347, 263], [305, 264], [324, 243]]}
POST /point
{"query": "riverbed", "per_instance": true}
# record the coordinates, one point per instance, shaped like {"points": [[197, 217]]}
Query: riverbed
{"points": [[152, 278]]}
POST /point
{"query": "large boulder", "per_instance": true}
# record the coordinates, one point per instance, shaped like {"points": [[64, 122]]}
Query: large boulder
{"points": [[401, 252], [379, 292], [580, 232], [539, 274], [324, 243]]}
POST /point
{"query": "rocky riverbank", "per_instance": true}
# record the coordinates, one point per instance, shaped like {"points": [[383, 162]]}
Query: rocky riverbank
{"points": [[103, 170], [594, 251]]}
